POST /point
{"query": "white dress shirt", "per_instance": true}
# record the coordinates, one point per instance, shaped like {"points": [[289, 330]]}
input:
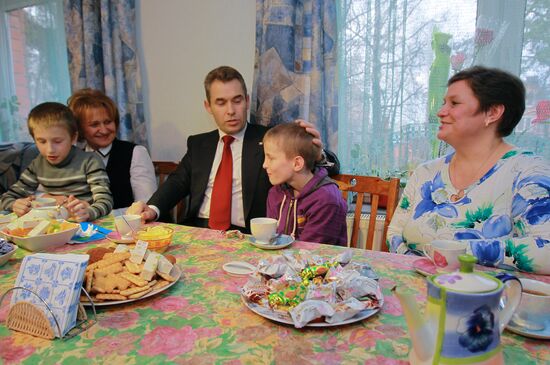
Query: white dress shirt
{"points": [[142, 171], [237, 209]]}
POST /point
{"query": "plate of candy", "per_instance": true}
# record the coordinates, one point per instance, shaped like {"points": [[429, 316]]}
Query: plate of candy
{"points": [[305, 290]]}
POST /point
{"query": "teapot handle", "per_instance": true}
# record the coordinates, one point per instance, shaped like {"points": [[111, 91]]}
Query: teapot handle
{"points": [[511, 298]]}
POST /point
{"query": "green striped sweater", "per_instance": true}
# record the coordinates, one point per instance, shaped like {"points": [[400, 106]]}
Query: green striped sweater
{"points": [[81, 174]]}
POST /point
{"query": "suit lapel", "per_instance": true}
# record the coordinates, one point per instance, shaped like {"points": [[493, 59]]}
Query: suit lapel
{"points": [[252, 160], [205, 151]]}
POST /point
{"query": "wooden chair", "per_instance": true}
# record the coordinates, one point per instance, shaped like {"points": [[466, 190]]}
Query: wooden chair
{"points": [[376, 188], [162, 170]]}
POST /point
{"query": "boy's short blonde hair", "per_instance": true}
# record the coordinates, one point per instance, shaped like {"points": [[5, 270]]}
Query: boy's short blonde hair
{"points": [[294, 141], [50, 114]]}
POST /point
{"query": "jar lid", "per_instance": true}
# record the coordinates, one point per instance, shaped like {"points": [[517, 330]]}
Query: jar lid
{"points": [[465, 280]]}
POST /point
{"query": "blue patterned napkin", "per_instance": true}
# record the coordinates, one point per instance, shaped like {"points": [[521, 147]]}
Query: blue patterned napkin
{"points": [[57, 279]]}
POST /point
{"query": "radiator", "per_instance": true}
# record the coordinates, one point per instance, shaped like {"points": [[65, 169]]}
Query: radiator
{"points": [[364, 227]]}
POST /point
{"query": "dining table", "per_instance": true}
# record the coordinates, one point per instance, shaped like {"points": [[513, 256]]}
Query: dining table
{"points": [[202, 319]]}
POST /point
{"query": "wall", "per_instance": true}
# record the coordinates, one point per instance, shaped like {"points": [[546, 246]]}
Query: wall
{"points": [[180, 42]]}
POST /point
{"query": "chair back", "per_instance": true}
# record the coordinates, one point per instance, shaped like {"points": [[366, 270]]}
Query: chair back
{"points": [[375, 187], [163, 169]]}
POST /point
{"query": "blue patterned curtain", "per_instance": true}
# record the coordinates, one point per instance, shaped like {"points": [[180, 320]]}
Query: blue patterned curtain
{"points": [[101, 42], [295, 66]]}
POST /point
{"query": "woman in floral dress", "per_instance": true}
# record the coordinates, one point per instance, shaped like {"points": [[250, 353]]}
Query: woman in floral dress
{"points": [[487, 193]]}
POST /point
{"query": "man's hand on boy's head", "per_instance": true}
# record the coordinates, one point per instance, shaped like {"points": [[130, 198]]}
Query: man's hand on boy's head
{"points": [[22, 206], [310, 128]]}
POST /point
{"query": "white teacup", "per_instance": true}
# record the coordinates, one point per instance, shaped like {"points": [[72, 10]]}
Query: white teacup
{"points": [[127, 224], [43, 202], [534, 307], [444, 254], [48, 213], [263, 229]]}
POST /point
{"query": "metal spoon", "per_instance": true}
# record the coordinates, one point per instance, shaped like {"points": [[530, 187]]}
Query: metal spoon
{"points": [[274, 240], [528, 325], [128, 235]]}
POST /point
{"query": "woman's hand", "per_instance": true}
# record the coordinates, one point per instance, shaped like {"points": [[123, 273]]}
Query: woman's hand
{"points": [[22, 206], [79, 210]]}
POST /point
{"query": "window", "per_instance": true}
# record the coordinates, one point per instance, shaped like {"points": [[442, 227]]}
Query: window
{"points": [[396, 57], [33, 62]]}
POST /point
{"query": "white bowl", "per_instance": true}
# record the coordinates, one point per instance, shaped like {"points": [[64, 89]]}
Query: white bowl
{"points": [[5, 257], [43, 242]]}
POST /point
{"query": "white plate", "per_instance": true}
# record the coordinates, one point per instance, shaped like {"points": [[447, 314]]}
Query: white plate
{"points": [[175, 272], [284, 316], [116, 238], [239, 268], [540, 335], [283, 241]]}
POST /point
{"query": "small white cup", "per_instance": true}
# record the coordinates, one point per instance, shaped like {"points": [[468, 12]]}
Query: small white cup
{"points": [[534, 308], [43, 202], [48, 213], [127, 224], [444, 254], [263, 229]]}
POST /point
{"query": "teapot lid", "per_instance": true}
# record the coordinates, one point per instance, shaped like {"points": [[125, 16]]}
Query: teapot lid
{"points": [[465, 280]]}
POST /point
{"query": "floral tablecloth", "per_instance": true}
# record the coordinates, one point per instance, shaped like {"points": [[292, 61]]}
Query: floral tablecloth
{"points": [[202, 320]]}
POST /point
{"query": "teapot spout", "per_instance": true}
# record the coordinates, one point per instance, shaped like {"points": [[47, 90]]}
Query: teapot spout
{"points": [[422, 336]]}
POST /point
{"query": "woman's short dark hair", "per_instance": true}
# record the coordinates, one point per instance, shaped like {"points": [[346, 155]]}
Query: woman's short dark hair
{"points": [[491, 87]]}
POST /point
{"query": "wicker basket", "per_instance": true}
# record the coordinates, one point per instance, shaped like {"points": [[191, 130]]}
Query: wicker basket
{"points": [[27, 318]]}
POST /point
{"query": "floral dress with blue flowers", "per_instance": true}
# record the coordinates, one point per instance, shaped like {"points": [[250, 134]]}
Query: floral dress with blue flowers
{"points": [[503, 217]]}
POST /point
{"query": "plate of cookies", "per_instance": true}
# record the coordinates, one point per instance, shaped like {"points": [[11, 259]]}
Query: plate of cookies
{"points": [[127, 275]]}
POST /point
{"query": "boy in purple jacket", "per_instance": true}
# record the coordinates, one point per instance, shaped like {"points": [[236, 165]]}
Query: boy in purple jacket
{"points": [[304, 200]]}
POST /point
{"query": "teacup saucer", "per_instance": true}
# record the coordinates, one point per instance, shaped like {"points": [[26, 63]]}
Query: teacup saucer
{"points": [[282, 241], [543, 334], [424, 266], [116, 238]]}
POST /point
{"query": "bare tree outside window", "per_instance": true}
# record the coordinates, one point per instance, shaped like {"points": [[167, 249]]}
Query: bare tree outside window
{"points": [[395, 59]]}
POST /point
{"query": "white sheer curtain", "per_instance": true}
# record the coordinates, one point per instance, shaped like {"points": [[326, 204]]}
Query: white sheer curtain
{"points": [[396, 57], [33, 62]]}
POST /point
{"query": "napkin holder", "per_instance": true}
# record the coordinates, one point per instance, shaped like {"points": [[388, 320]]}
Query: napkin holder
{"points": [[27, 318]]}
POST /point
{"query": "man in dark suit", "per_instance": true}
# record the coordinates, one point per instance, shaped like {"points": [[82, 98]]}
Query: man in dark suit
{"points": [[227, 101]]}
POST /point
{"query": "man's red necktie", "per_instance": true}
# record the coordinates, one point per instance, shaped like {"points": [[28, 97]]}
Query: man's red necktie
{"points": [[220, 203]]}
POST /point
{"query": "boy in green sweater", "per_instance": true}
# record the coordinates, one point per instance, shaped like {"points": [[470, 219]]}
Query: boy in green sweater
{"points": [[70, 175]]}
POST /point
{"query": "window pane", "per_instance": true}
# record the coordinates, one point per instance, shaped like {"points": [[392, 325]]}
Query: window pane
{"points": [[394, 65], [396, 57], [37, 66], [534, 128]]}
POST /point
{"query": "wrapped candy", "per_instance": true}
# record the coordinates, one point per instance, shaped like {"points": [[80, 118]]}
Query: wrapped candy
{"points": [[313, 271], [345, 310], [289, 278], [357, 287], [309, 310], [255, 293], [363, 269], [290, 297], [324, 292], [274, 268], [344, 258]]}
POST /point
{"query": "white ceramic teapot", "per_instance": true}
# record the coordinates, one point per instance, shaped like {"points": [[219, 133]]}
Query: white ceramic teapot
{"points": [[465, 315]]}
